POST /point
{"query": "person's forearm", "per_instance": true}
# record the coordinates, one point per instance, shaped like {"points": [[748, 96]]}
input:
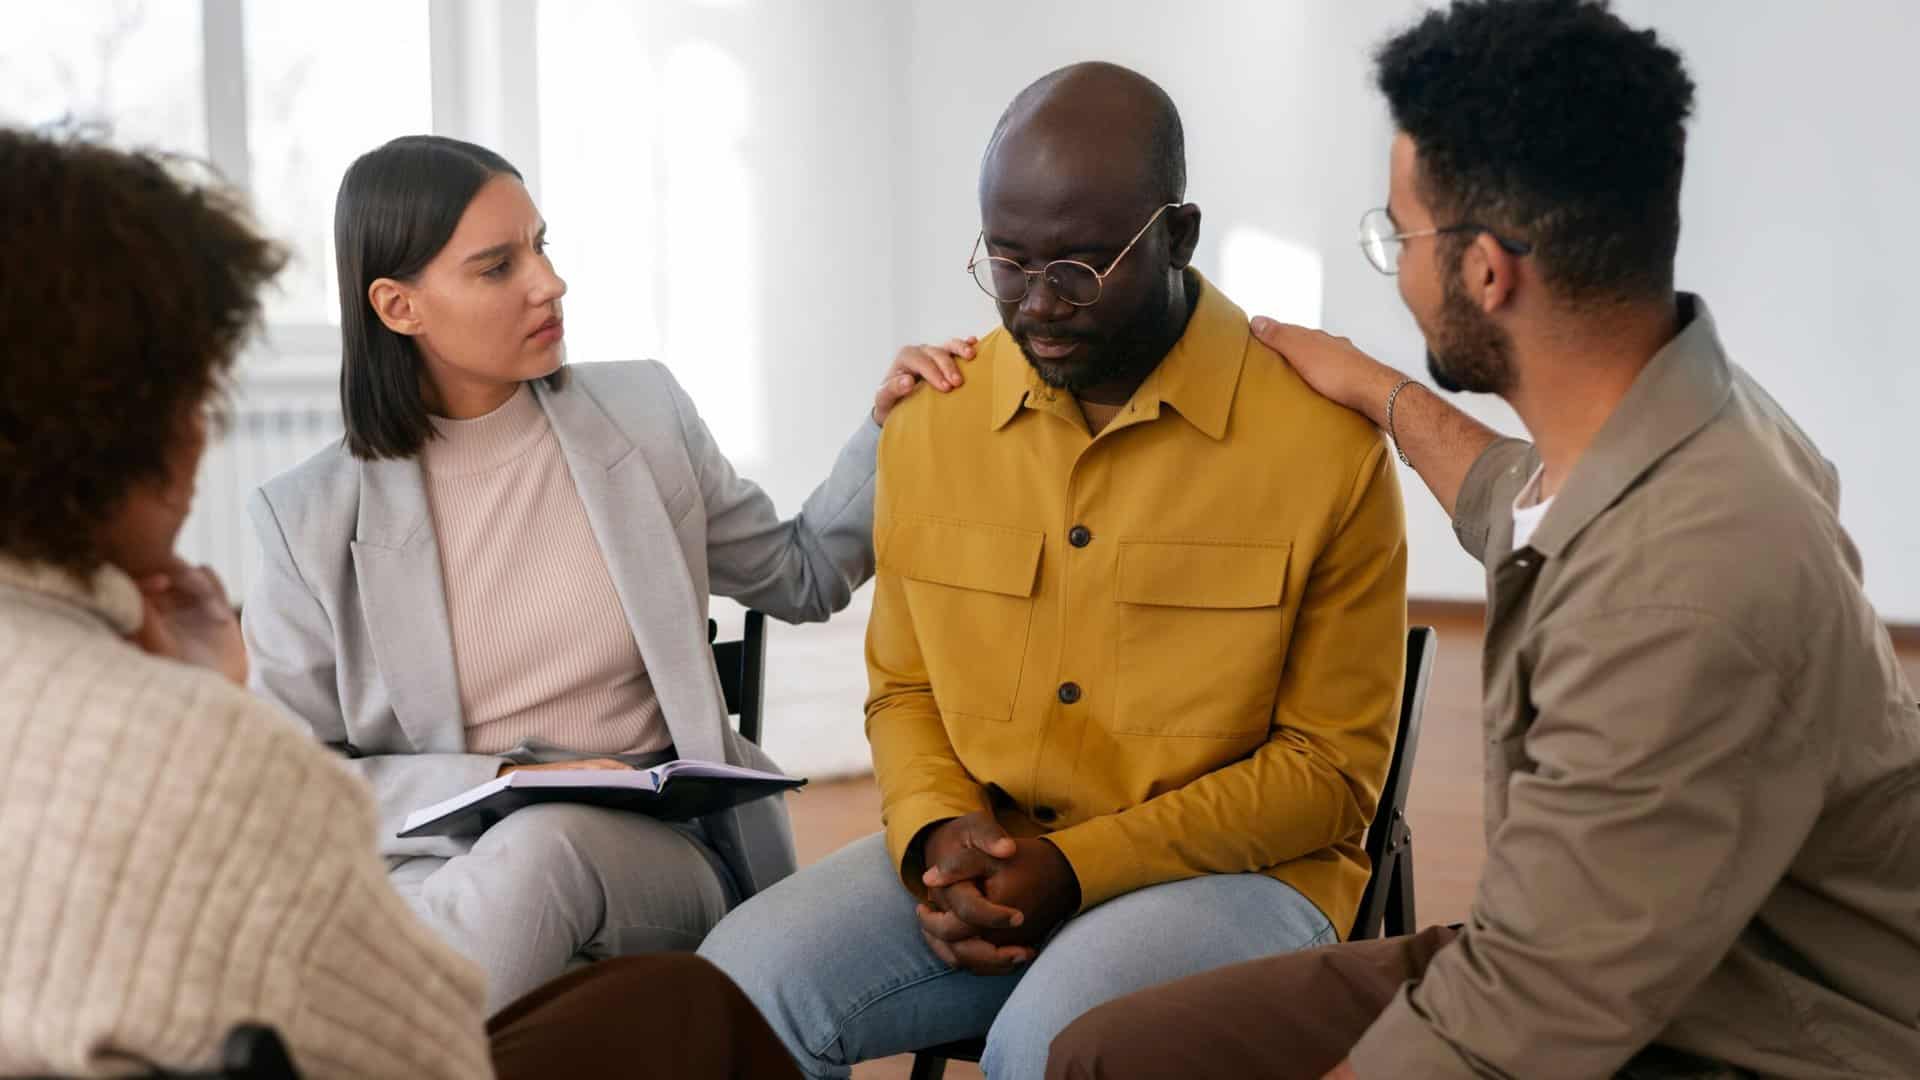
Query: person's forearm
{"points": [[1233, 820], [922, 782], [1440, 441]]}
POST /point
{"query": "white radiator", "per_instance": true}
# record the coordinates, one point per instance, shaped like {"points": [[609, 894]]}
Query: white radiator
{"points": [[275, 423]]}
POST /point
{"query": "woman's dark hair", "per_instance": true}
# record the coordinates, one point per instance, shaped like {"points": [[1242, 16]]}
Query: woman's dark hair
{"points": [[398, 206], [1551, 122], [131, 287]]}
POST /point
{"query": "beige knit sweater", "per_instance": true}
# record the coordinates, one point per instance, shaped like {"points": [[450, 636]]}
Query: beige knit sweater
{"points": [[176, 857]]}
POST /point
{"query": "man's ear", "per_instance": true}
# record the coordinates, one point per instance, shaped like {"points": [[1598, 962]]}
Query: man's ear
{"points": [[1183, 225], [393, 302], [1490, 273]]}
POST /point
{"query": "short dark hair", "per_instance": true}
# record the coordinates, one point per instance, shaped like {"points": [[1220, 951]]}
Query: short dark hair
{"points": [[135, 284], [1554, 121], [397, 208]]}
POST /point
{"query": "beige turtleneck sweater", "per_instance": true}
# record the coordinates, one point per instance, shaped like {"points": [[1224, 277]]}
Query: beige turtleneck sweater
{"points": [[541, 644], [180, 858]]}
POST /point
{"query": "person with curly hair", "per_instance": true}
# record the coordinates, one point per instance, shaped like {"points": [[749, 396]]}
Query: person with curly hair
{"points": [[182, 859], [1703, 760]]}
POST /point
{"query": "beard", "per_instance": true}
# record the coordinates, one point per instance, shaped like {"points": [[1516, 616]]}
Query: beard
{"points": [[1468, 351], [1121, 357]]}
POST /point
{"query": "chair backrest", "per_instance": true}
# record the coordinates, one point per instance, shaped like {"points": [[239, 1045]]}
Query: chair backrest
{"points": [[250, 1052], [743, 672], [1389, 832]]}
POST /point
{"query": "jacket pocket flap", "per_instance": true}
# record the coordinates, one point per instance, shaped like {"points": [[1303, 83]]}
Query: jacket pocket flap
{"points": [[1202, 573], [964, 554]]}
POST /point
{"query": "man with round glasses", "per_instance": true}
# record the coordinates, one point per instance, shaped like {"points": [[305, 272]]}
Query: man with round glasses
{"points": [[1702, 758], [1137, 635]]}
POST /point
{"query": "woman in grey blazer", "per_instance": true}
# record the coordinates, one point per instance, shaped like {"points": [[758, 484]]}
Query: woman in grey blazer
{"points": [[375, 619]]}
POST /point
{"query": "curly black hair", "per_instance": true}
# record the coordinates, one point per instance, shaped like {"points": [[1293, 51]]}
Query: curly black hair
{"points": [[130, 286], [1552, 122]]}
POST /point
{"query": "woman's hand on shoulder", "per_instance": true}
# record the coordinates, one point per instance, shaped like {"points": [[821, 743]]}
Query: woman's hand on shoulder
{"points": [[937, 365]]}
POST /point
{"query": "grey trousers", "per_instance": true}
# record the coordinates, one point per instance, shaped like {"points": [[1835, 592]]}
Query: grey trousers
{"points": [[555, 886]]}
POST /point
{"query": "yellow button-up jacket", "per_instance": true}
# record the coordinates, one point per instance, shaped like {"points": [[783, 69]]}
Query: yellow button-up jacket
{"points": [[1173, 649]]}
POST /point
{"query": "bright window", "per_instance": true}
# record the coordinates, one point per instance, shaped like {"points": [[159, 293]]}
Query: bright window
{"points": [[325, 84], [130, 68]]}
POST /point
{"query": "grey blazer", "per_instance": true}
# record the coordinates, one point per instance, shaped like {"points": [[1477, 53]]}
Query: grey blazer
{"points": [[346, 623]]}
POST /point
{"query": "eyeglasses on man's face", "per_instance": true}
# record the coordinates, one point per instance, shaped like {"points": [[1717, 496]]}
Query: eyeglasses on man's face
{"points": [[1382, 240], [1071, 280]]}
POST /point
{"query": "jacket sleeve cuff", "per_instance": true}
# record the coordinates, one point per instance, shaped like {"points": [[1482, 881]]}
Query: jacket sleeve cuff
{"points": [[1098, 852], [905, 820], [1494, 473], [1402, 1043]]}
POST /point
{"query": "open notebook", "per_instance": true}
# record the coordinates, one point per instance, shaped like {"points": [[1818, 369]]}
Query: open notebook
{"points": [[674, 791]]}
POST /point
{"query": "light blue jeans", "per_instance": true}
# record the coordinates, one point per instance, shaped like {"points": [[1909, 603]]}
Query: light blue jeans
{"points": [[833, 958]]}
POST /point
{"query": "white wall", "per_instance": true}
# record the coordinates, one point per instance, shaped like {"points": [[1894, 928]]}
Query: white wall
{"points": [[720, 188], [1793, 232], [1801, 230], [720, 182]]}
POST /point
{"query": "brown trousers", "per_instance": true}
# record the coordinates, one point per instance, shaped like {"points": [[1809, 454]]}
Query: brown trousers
{"points": [[666, 1015], [1290, 1017]]}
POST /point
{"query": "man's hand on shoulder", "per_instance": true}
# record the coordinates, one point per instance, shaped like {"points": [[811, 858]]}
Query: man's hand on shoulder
{"points": [[1334, 367], [1438, 440]]}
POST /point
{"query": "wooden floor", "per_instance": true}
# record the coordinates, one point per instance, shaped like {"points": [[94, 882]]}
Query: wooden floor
{"points": [[1444, 804]]}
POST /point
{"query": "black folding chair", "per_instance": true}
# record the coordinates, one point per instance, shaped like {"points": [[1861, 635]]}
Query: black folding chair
{"points": [[255, 1052], [1386, 907], [743, 672], [250, 1052]]}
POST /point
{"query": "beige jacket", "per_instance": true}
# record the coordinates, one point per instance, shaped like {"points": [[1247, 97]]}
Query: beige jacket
{"points": [[180, 857], [1703, 763]]}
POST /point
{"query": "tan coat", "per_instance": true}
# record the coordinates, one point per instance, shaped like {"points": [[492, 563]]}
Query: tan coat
{"points": [[1703, 763]]}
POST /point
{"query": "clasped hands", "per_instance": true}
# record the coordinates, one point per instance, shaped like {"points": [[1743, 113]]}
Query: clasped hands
{"points": [[992, 900]]}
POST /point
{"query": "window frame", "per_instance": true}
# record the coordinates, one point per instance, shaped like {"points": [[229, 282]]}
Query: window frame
{"points": [[483, 57]]}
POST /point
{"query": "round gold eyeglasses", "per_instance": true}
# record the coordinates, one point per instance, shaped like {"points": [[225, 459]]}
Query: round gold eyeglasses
{"points": [[1071, 280]]}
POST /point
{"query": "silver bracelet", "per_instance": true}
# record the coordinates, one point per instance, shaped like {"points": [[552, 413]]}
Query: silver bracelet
{"points": [[1391, 434]]}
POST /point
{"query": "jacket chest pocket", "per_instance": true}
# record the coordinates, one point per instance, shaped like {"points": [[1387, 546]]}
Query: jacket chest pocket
{"points": [[970, 589], [1202, 631]]}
